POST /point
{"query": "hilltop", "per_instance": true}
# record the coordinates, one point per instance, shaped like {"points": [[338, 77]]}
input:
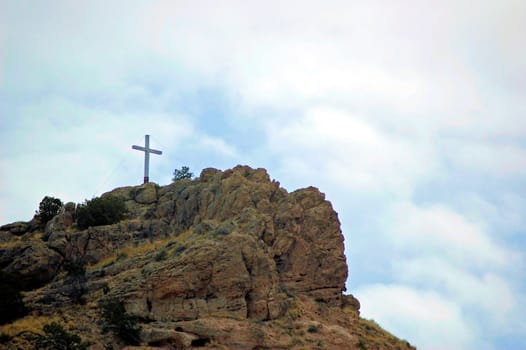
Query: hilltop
{"points": [[229, 260]]}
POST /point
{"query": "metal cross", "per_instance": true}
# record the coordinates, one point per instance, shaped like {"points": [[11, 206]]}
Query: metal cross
{"points": [[147, 150]]}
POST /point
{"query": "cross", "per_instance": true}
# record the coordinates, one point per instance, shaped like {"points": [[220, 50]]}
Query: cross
{"points": [[147, 150]]}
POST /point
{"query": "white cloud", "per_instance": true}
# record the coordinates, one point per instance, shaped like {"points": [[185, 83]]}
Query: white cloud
{"points": [[350, 151], [433, 248], [437, 230], [500, 159], [215, 144], [425, 318], [486, 291], [503, 212]]}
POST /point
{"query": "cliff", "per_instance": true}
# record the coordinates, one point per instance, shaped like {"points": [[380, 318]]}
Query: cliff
{"points": [[228, 260]]}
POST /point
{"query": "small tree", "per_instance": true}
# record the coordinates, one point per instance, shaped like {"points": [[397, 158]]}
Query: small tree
{"points": [[183, 173], [105, 210], [11, 302], [57, 338], [48, 208], [75, 284], [116, 319]]}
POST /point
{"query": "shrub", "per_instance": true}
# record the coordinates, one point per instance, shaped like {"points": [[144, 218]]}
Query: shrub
{"points": [[183, 173], [361, 345], [122, 256], [161, 256], [313, 328], [100, 211], [120, 322], [224, 229], [11, 302], [75, 267], [5, 338], [179, 249], [76, 280], [57, 338], [48, 208]]}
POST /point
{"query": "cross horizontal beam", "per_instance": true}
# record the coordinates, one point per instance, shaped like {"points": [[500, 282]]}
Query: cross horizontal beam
{"points": [[151, 150]]}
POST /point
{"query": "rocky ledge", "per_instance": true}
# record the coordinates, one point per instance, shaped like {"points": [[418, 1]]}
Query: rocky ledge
{"points": [[228, 260]]}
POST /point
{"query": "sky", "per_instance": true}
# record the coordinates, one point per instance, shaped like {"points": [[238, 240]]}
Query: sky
{"points": [[409, 115]]}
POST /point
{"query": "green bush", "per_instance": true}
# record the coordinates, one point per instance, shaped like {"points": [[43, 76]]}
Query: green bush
{"points": [[5, 338], [179, 250], [313, 328], [224, 229], [116, 319], [75, 267], [48, 208], [11, 302], [361, 345], [161, 256], [183, 173], [57, 338], [105, 210], [76, 281]]}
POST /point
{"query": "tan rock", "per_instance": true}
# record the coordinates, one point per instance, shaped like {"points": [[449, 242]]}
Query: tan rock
{"points": [[146, 194], [228, 259]]}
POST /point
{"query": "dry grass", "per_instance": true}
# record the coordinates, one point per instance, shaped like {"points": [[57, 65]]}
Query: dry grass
{"points": [[295, 310], [35, 235], [370, 333], [22, 240], [22, 329], [31, 324], [10, 244], [133, 250], [102, 262]]}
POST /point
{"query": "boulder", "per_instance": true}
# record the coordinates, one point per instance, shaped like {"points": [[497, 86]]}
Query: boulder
{"points": [[61, 221], [146, 194], [36, 264]]}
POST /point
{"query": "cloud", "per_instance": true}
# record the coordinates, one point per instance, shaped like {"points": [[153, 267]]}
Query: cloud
{"points": [[438, 230], [218, 145], [470, 289], [350, 151], [499, 159], [437, 256], [503, 211], [426, 318]]}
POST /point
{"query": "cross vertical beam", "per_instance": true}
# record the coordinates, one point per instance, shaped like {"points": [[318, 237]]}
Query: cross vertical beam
{"points": [[147, 150]]}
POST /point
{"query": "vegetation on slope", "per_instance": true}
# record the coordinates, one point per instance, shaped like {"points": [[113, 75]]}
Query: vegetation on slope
{"points": [[104, 210]]}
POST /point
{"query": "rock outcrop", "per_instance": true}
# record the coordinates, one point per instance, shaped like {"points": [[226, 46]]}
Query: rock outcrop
{"points": [[229, 258]]}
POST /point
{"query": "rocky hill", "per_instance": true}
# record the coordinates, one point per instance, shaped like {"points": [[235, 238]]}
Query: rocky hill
{"points": [[229, 260]]}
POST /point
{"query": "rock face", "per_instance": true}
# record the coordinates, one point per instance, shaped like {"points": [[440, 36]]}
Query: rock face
{"points": [[228, 258], [253, 241]]}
